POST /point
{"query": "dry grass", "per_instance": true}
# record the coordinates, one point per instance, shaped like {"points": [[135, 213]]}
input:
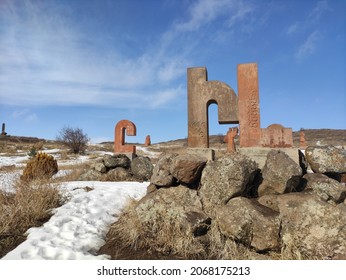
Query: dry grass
{"points": [[30, 206], [163, 234]]}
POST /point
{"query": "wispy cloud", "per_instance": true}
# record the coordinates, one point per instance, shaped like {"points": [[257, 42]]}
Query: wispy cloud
{"points": [[316, 13], [309, 46], [47, 59], [321, 8], [25, 115]]}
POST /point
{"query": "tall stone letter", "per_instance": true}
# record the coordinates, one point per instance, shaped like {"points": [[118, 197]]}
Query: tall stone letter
{"points": [[202, 93], [248, 106], [119, 139]]}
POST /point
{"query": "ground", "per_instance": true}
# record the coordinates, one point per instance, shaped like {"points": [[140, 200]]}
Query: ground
{"points": [[13, 151]]}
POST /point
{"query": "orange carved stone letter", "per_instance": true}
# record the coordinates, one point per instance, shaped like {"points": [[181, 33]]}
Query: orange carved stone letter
{"points": [[202, 93], [248, 105], [119, 139], [231, 134], [147, 141]]}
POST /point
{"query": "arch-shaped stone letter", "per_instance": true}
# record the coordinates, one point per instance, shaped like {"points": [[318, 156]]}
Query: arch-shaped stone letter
{"points": [[119, 139], [202, 93]]}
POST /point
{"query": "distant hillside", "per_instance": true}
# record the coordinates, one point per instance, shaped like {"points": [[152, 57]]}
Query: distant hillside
{"points": [[335, 137]]}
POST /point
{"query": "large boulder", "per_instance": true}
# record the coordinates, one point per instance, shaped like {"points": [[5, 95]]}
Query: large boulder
{"points": [[142, 168], [326, 159], [311, 226], [225, 178], [118, 160], [187, 168], [119, 174], [326, 188], [90, 175], [281, 174], [250, 223], [178, 205], [162, 176]]}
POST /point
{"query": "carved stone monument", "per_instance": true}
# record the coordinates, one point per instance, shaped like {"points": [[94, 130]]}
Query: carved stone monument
{"points": [[3, 132], [147, 141], [119, 139], [231, 134], [302, 141], [248, 106], [232, 109], [251, 134], [202, 93], [276, 136]]}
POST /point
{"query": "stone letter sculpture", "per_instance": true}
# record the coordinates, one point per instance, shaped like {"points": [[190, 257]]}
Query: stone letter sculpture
{"points": [[202, 93], [119, 139], [231, 134], [147, 141], [248, 106]]}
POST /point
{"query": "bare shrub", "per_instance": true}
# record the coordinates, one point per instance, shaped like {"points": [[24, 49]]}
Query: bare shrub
{"points": [[74, 138], [30, 206]]}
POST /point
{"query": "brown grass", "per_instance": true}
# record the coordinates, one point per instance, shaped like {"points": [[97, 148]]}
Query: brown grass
{"points": [[163, 237], [30, 206]]}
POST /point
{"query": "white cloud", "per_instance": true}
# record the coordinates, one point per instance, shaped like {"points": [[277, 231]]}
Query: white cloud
{"points": [[309, 46], [293, 28], [320, 8], [46, 60], [25, 115]]}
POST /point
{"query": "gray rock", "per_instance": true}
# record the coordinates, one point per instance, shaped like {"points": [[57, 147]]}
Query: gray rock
{"points": [[162, 176], [142, 168], [312, 227], [118, 174], [250, 223], [281, 174], [100, 167], [118, 160], [326, 188], [326, 159], [179, 204], [187, 168], [224, 179], [90, 175]]}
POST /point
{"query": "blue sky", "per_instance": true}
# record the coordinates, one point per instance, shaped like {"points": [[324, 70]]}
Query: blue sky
{"points": [[92, 63]]}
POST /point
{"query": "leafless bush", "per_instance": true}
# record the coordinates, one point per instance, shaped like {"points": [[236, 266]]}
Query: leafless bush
{"points": [[74, 138]]}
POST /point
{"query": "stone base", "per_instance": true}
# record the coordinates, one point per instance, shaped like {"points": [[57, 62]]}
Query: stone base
{"points": [[207, 153]]}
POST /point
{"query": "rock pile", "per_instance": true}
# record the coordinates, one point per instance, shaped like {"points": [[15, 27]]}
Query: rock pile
{"points": [[276, 209], [119, 168]]}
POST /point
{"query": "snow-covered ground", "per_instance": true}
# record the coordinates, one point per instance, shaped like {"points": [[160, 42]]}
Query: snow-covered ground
{"points": [[78, 228]]}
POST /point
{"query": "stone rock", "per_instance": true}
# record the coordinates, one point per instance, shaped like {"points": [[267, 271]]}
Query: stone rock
{"points": [[270, 201], [326, 188], [142, 168], [162, 176], [281, 174], [118, 174], [326, 159], [151, 188], [225, 178], [250, 223], [119, 160], [178, 204], [187, 168], [90, 175], [312, 226], [100, 167]]}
